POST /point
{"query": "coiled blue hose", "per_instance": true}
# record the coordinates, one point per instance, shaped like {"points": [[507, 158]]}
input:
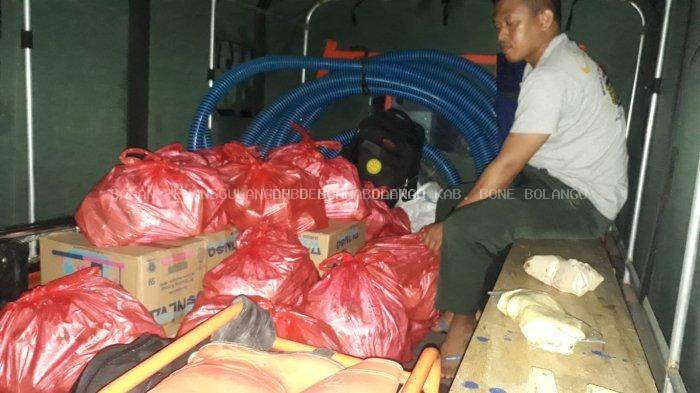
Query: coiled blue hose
{"points": [[345, 138], [478, 148], [446, 60], [482, 149], [442, 164], [477, 102], [198, 126], [443, 84], [271, 128], [454, 87], [440, 82]]}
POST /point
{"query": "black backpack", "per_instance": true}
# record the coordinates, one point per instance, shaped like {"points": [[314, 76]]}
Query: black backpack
{"points": [[387, 150]]}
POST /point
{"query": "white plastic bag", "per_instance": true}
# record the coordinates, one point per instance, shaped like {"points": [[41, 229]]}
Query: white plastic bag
{"points": [[421, 208], [543, 321], [567, 275]]}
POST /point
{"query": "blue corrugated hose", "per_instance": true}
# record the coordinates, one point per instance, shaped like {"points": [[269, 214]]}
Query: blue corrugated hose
{"points": [[456, 88], [272, 127]]}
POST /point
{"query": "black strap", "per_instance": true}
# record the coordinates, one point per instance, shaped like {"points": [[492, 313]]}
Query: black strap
{"points": [[26, 39], [649, 260], [570, 19], [354, 12], [655, 86], [445, 11], [363, 74], [218, 53], [363, 65]]}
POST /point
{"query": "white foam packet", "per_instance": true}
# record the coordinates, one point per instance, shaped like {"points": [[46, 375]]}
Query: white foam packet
{"points": [[544, 322], [567, 275]]}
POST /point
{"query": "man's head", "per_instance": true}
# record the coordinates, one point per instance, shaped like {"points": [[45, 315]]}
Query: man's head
{"points": [[525, 27]]}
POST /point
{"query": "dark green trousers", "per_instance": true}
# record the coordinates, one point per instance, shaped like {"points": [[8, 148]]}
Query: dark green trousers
{"points": [[538, 206]]}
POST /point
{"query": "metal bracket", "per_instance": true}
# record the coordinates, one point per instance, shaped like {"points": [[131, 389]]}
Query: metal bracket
{"points": [[26, 39]]}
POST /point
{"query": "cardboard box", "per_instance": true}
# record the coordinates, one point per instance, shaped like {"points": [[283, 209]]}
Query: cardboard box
{"points": [[340, 235], [173, 326], [219, 246], [165, 278]]}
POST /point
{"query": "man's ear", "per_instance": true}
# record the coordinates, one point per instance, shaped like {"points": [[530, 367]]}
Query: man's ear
{"points": [[546, 19]]}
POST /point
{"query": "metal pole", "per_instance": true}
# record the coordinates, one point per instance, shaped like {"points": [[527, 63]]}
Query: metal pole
{"points": [[307, 23], [212, 25], [29, 93], [636, 69], [647, 144], [30, 115], [686, 284]]}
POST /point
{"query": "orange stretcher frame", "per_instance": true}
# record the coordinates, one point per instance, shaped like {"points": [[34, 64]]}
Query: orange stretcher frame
{"points": [[424, 377]]}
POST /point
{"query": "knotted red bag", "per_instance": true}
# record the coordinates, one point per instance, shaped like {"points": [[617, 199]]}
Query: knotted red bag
{"points": [[50, 334], [152, 197], [417, 269], [361, 299], [337, 177]]}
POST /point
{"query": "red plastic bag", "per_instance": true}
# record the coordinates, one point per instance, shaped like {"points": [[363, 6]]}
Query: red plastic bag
{"points": [[231, 152], [269, 262], [417, 269], [50, 334], [338, 177], [360, 298], [274, 192], [383, 221], [341, 188], [176, 153], [297, 326], [153, 197], [304, 153]]}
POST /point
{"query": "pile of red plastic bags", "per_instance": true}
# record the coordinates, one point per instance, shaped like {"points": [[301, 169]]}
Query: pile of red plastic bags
{"points": [[377, 303], [172, 194]]}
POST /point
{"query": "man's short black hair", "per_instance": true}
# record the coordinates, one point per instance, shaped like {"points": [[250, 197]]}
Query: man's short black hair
{"points": [[541, 5]]}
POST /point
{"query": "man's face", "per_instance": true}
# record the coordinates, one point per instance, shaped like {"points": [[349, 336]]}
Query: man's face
{"points": [[519, 29]]}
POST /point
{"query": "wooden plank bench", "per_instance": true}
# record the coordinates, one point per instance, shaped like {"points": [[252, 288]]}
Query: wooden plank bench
{"points": [[499, 360]]}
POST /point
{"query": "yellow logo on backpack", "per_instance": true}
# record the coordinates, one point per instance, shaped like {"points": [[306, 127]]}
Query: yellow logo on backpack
{"points": [[373, 166]]}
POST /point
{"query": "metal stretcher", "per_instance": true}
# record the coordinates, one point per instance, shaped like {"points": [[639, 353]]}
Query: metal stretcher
{"points": [[425, 376]]}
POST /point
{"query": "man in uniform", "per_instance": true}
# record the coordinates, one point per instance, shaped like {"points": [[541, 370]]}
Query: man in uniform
{"points": [[568, 145]]}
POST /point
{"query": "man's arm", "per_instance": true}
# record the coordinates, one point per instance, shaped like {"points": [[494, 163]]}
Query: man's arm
{"points": [[542, 95], [516, 152]]}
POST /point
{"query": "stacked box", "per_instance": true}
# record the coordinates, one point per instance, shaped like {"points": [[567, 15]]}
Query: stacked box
{"points": [[164, 277]]}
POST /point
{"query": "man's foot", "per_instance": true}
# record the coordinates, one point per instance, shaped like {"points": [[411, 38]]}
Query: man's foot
{"points": [[443, 324], [455, 344]]}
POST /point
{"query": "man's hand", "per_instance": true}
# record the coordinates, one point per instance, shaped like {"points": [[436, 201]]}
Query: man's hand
{"points": [[432, 237]]}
